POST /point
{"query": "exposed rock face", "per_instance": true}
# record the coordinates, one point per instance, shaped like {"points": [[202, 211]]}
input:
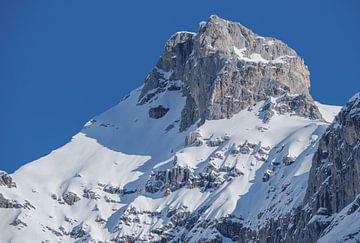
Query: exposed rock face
{"points": [[89, 194], [178, 177], [170, 179], [7, 203], [225, 68], [300, 105], [6, 180], [334, 179], [158, 112], [78, 231], [70, 198], [194, 138], [113, 189]]}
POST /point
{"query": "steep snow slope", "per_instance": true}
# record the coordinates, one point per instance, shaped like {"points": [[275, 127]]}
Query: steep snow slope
{"points": [[124, 146]]}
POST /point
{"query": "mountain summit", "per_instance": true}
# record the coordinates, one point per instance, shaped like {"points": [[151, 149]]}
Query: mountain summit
{"points": [[226, 68], [222, 143]]}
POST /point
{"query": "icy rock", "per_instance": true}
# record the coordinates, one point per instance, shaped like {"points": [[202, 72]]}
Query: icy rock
{"points": [[158, 112], [216, 142], [6, 180], [235, 172], [7, 203], [300, 105], [89, 194], [78, 231], [113, 189], [70, 198], [235, 149], [322, 211], [169, 179], [167, 192], [262, 151], [55, 232], [100, 220], [245, 149], [17, 222], [226, 137], [266, 175], [288, 160], [194, 138], [354, 206], [219, 155], [178, 177]]}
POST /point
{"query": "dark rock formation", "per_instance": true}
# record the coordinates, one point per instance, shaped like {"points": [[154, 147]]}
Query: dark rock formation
{"points": [[113, 189], [89, 194], [158, 112], [169, 179], [70, 198], [7, 203], [6, 180], [78, 231]]}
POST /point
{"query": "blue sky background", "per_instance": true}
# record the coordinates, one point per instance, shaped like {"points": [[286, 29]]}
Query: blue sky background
{"points": [[62, 62]]}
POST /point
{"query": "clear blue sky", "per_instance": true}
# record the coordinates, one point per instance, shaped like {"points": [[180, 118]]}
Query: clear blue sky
{"points": [[62, 62]]}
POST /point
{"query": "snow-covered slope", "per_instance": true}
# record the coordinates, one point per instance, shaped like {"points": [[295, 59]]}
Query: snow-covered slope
{"points": [[123, 147], [134, 173]]}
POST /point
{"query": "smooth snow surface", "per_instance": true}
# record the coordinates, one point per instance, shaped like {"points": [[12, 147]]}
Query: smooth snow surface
{"points": [[328, 111]]}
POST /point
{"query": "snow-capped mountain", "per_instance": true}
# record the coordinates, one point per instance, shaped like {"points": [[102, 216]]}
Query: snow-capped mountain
{"points": [[223, 142]]}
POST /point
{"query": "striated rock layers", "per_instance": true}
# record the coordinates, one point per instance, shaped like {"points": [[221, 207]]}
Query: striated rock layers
{"points": [[225, 68]]}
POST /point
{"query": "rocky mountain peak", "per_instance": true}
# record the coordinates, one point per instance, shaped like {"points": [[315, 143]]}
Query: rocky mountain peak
{"points": [[264, 174], [225, 68]]}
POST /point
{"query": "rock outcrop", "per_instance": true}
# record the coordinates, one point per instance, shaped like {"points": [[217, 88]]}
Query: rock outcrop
{"points": [[334, 179], [158, 112], [7, 203], [70, 198], [299, 105], [6, 180], [225, 68]]}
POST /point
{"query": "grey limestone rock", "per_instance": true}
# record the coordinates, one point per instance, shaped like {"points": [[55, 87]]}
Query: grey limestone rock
{"points": [[194, 138], [300, 105], [226, 68], [334, 179]]}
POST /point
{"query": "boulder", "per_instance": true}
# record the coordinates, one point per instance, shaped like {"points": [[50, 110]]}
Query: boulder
{"points": [[158, 112]]}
